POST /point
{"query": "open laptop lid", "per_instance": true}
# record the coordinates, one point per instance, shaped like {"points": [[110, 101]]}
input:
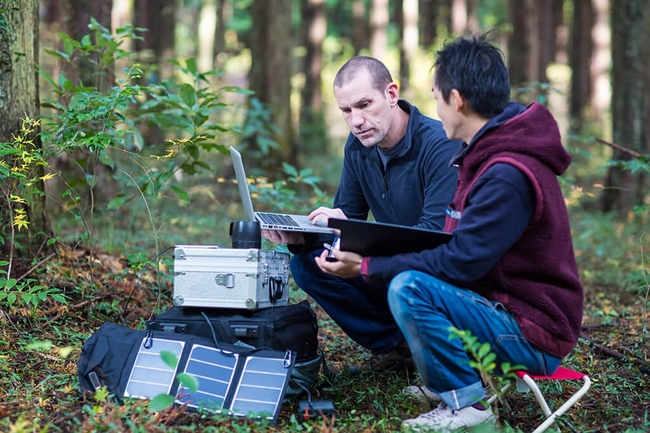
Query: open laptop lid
{"points": [[382, 239], [302, 221], [242, 184]]}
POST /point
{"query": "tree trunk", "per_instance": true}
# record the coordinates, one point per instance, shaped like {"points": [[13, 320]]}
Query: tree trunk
{"points": [[580, 59], [361, 28], [630, 84], [270, 73], [427, 20], [158, 17], [205, 35], [533, 42], [379, 29], [517, 45], [458, 17], [78, 13], [410, 40], [313, 131], [601, 95], [19, 98], [472, 15], [223, 13]]}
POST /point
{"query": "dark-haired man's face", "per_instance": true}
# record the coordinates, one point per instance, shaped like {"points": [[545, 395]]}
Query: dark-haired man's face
{"points": [[367, 111], [447, 114]]}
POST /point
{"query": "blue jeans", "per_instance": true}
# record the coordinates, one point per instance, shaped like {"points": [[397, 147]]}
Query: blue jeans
{"points": [[426, 307], [360, 309]]}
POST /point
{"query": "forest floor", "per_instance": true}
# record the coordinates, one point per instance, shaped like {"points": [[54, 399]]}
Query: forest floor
{"points": [[40, 347]]}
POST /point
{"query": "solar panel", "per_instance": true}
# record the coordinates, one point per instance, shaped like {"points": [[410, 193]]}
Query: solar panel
{"points": [[232, 383], [256, 387], [150, 375]]}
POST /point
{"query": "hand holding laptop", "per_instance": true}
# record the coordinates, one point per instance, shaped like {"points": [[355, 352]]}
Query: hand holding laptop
{"points": [[282, 237]]}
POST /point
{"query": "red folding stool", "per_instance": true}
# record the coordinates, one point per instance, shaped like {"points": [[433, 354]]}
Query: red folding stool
{"points": [[527, 382]]}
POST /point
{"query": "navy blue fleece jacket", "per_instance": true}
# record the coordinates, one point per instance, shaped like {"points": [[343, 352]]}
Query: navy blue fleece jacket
{"points": [[411, 184]]}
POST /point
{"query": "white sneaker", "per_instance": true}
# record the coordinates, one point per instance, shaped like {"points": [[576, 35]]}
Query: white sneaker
{"points": [[443, 420]]}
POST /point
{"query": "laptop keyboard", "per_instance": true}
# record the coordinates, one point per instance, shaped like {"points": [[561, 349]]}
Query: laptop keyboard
{"points": [[277, 219]]}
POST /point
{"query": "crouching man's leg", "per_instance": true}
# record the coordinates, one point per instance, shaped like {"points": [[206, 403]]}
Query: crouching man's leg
{"points": [[360, 309], [425, 308]]}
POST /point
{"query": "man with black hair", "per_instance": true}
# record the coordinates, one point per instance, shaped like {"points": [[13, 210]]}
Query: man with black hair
{"points": [[509, 274], [396, 166]]}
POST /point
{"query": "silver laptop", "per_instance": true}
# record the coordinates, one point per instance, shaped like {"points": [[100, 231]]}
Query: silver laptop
{"points": [[270, 221]]}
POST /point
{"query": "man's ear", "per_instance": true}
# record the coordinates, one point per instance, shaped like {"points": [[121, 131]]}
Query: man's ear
{"points": [[392, 93], [456, 100]]}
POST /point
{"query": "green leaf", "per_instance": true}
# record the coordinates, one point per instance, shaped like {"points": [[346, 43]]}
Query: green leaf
{"points": [[169, 358], [10, 283], [189, 381], [59, 298], [161, 402], [483, 350], [117, 202], [190, 64], [181, 193], [289, 169], [11, 298], [40, 346], [27, 298], [67, 47], [188, 95]]}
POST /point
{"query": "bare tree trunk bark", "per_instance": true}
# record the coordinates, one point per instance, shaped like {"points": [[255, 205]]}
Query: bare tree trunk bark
{"points": [[458, 17], [270, 73], [410, 40], [517, 44], [78, 14], [205, 35], [19, 42], [601, 95], [220, 49], [379, 29], [427, 22], [630, 84], [580, 59], [313, 131], [361, 31]]}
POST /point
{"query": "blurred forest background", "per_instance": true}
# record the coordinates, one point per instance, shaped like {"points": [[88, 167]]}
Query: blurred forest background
{"points": [[138, 101], [115, 122]]}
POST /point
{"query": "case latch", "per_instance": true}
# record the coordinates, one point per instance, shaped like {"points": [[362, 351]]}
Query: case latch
{"points": [[227, 280]]}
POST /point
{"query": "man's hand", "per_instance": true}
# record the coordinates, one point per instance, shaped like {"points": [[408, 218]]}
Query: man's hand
{"points": [[347, 266], [323, 214], [281, 237]]}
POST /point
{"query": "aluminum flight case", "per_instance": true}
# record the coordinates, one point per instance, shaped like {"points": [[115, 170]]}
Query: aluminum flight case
{"points": [[215, 277]]}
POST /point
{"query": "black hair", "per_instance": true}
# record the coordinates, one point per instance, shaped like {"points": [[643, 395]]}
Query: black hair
{"points": [[474, 67], [378, 72]]}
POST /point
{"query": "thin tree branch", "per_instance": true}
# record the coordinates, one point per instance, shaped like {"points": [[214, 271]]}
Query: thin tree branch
{"points": [[36, 266], [619, 147], [613, 353]]}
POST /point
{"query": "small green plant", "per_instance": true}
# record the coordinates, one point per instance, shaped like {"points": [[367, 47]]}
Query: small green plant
{"points": [[19, 181], [483, 360]]}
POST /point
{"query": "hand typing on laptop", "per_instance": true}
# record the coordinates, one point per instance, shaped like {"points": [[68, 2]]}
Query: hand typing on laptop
{"points": [[323, 214], [319, 216]]}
